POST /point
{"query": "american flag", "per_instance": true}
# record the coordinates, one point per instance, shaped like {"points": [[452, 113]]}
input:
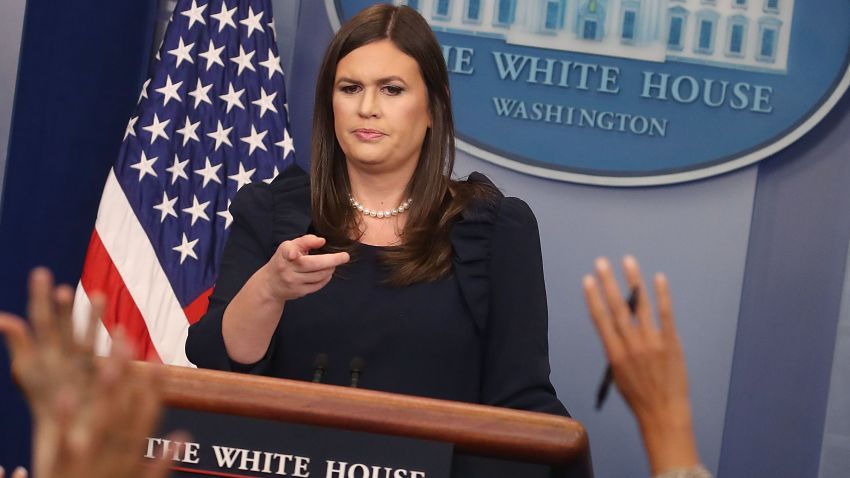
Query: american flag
{"points": [[211, 118]]}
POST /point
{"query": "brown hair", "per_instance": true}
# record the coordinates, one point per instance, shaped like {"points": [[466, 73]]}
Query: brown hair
{"points": [[425, 253]]}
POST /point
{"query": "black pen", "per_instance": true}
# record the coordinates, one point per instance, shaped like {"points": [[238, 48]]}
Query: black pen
{"points": [[608, 377]]}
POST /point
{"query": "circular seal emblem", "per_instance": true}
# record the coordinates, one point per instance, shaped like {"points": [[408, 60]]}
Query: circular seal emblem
{"points": [[635, 92]]}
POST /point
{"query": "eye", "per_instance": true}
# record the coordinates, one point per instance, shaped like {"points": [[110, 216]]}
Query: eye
{"points": [[393, 90], [349, 89]]}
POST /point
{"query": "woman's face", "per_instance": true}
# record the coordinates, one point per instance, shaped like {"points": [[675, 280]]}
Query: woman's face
{"points": [[380, 105]]}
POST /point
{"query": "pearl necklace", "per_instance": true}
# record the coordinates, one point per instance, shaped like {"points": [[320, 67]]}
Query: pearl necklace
{"points": [[380, 214]]}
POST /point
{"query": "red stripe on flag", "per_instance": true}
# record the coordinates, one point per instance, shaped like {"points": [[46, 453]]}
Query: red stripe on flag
{"points": [[100, 274], [198, 307]]}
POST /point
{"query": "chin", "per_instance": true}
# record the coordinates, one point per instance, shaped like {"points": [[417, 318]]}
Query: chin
{"points": [[367, 155], [367, 161]]}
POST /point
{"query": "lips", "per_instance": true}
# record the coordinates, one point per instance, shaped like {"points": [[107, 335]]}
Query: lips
{"points": [[366, 134]]}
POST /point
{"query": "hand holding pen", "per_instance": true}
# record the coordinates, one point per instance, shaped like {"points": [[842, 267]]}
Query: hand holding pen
{"points": [[647, 362]]}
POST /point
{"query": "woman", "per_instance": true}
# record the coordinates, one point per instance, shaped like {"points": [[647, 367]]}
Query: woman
{"points": [[427, 286]]}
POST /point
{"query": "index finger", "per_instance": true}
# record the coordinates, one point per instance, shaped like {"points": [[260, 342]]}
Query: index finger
{"points": [[308, 242], [300, 246], [318, 262], [610, 289], [601, 317]]}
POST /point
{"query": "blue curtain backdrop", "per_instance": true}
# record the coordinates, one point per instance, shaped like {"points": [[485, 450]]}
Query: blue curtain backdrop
{"points": [[82, 64]]}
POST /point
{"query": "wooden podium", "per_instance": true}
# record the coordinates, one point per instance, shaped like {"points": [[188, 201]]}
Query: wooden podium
{"points": [[495, 435]]}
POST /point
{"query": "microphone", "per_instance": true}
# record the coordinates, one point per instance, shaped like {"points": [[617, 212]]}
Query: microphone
{"points": [[320, 365], [357, 366]]}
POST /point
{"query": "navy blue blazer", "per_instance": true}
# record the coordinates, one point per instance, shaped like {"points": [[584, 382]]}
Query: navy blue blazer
{"points": [[479, 335]]}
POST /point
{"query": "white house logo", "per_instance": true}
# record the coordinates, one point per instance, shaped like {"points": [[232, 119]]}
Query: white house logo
{"points": [[635, 92]]}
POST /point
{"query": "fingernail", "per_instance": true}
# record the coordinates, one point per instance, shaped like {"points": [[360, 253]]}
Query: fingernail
{"points": [[21, 472], [601, 263]]}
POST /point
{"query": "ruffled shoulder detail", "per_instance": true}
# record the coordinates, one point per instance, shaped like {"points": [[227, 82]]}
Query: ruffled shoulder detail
{"points": [[291, 204], [471, 238]]}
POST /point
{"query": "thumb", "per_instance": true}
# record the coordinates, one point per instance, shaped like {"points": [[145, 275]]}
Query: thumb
{"points": [[17, 335]]}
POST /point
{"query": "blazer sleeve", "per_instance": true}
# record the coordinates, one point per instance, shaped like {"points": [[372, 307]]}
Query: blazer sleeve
{"points": [[249, 246], [516, 352]]}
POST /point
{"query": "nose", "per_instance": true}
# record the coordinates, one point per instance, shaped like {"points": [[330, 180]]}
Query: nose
{"points": [[368, 107]]}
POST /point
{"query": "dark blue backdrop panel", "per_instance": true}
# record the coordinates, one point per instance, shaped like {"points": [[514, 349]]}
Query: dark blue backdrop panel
{"points": [[789, 307], [313, 35], [81, 67]]}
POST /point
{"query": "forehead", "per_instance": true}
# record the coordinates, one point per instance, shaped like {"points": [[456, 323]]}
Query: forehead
{"points": [[381, 59]]}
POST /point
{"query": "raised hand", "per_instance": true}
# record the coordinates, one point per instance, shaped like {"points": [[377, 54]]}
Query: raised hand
{"points": [[90, 415], [647, 361]]}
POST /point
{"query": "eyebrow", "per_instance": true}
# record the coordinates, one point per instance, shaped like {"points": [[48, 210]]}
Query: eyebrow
{"points": [[386, 79]]}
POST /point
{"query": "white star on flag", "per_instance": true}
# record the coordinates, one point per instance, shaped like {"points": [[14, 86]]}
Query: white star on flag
{"points": [[169, 90], [157, 128], [242, 177], [131, 127], [225, 17], [232, 98], [220, 136], [177, 169], [228, 218], [254, 140], [195, 14], [265, 102], [188, 131], [182, 53], [212, 55], [272, 64], [186, 249], [166, 207], [209, 173], [197, 210], [243, 60], [252, 21], [144, 93], [271, 178], [286, 144], [201, 93], [145, 166]]}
